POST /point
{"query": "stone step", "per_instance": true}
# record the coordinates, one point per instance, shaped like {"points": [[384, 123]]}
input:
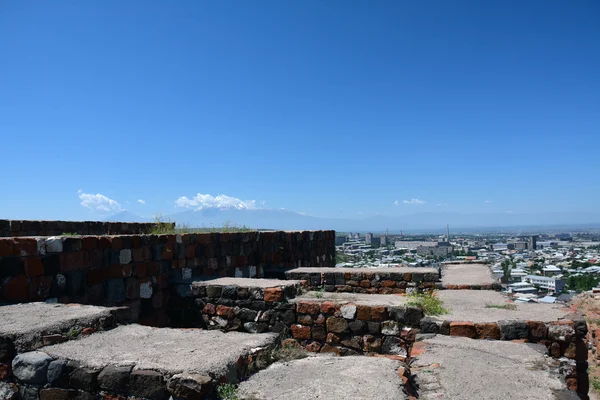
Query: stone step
{"points": [[355, 323], [460, 368], [30, 326], [468, 276], [328, 378], [367, 280], [143, 362]]}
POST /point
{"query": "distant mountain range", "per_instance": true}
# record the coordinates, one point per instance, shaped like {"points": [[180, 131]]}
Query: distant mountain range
{"points": [[290, 220]]}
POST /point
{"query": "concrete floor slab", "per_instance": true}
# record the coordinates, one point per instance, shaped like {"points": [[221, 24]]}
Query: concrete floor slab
{"points": [[473, 305], [326, 378], [391, 300], [248, 282], [25, 323], [467, 274], [167, 350], [460, 368]]}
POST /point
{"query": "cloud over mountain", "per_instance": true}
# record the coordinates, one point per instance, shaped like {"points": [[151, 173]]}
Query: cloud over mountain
{"points": [[99, 202], [203, 201]]}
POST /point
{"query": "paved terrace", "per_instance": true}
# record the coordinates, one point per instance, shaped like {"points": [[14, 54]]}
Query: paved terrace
{"points": [[327, 378], [390, 300], [247, 283], [29, 325], [466, 275], [460, 368], [474, 305]]}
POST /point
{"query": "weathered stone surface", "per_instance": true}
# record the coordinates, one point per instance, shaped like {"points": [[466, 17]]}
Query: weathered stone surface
{"points": [[511, 330], [83, 378], [189, 386], [336, 325], [8, 391], [328, 307], [114, 378], [358, 327], [354, 342], [429, 325], [393, 345], [319, 332], [273, 295], [301, 332], [561, 332], [313, 347], [390, 328], [56, 371], [305, 307], [256, 327], [305, 320], [371, 344], [379, 313], [363, 313], [463, 328], [537, 330], [31, 367], [146, 383], [348, 311]]}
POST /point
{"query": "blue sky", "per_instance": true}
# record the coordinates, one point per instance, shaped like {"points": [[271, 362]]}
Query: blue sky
{"points": [[331, 108]]}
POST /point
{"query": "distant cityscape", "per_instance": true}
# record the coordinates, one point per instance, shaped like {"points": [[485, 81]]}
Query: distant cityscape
{"points": [[540, 267]]}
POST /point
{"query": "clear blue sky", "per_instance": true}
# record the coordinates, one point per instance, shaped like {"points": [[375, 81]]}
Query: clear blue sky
{"points": [[332, 108]]}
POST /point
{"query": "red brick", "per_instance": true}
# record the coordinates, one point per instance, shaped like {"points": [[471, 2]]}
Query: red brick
{"points": [[328, 307], [160, 299], [209, 309], [332, 338], [463, 328], [5, 371], [330, 349], [388, 284], [537, 330], [305, 319], [89, 243], [137, 255], [15, 288], [95, 258], [313, 347], [305, 307], [73, 260], [224, 311], [190, 251], [167, 253], [126, 270], [6, 247], [407, 277], [379, 313], [301, 332], [33, 266], [140, 270], [116, 243], [273, 294], [95, 276], [488, 331], [88, 331], [24, 247], [363, 313], [162, 281], [151, 269], [365, 284]]}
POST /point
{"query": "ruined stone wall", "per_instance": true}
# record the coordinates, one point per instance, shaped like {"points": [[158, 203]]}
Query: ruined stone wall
{"points": [[17, 228], [136, 270]]}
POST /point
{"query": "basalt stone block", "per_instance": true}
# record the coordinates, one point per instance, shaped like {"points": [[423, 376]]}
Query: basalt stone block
{"points": [[31, 367], [57, 373], [511, 330], [115, 378], [229, 292], [256, 327], [246, 314], [7, 350], [187, 386], [147, 384], [84, 378], [429, 325], [358, 327], [336, 325]]}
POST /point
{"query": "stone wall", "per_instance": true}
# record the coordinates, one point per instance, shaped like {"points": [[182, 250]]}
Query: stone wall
{"points": [[370, 281], [136, 270], [16, 228]]}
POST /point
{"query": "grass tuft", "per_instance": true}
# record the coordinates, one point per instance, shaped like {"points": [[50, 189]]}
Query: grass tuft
{"points": [[429, 303], [509, 306], [227, 391]]}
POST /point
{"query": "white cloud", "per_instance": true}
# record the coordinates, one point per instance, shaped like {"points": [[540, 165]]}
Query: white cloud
{"points": [[141, 201], [442, 205], [413, 201], [396, 203], [99, 202], [201, 201], [488, 201]]}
